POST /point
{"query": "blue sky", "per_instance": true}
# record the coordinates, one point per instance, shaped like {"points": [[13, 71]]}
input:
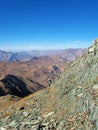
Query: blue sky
{"points": [[47, 24]]}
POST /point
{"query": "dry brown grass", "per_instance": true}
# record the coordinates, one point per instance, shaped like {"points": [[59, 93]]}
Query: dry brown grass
{"points": [[5, 102]]}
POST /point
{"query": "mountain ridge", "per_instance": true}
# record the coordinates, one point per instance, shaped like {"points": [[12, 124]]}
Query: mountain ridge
{"points": [[70, 103], [25, 56]]}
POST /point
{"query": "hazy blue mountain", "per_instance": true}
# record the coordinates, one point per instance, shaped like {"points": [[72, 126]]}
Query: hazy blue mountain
{"points": [[67, 54]]}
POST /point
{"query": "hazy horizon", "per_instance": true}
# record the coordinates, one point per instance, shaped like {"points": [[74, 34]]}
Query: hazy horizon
{"points": [[39, 50]]}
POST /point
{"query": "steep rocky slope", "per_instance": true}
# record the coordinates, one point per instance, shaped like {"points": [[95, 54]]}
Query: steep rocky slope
{"points": [[71, 103]]}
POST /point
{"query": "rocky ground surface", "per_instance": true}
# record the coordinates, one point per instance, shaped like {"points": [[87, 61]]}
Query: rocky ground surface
{"points": [[70, 103]]}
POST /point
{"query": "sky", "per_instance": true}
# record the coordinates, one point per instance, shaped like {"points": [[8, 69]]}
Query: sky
{"points": [[47, 24]]}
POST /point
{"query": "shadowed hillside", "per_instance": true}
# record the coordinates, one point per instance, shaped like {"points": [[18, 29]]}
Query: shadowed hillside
{"points": [[18, 86]]}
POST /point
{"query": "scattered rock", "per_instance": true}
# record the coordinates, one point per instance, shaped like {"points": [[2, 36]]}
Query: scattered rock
{"points": [[95, 87], [91, 49]]}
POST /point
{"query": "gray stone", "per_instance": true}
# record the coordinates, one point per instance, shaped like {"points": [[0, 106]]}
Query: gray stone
{"points": [[25, 113], [2, 128], [95, 87], [30, 122], [61, 125], [13, 123], [35, 127]]}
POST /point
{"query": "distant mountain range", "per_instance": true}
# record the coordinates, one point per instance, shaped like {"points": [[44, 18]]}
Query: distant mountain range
{"points": [[32, 70], [67, 54]]}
